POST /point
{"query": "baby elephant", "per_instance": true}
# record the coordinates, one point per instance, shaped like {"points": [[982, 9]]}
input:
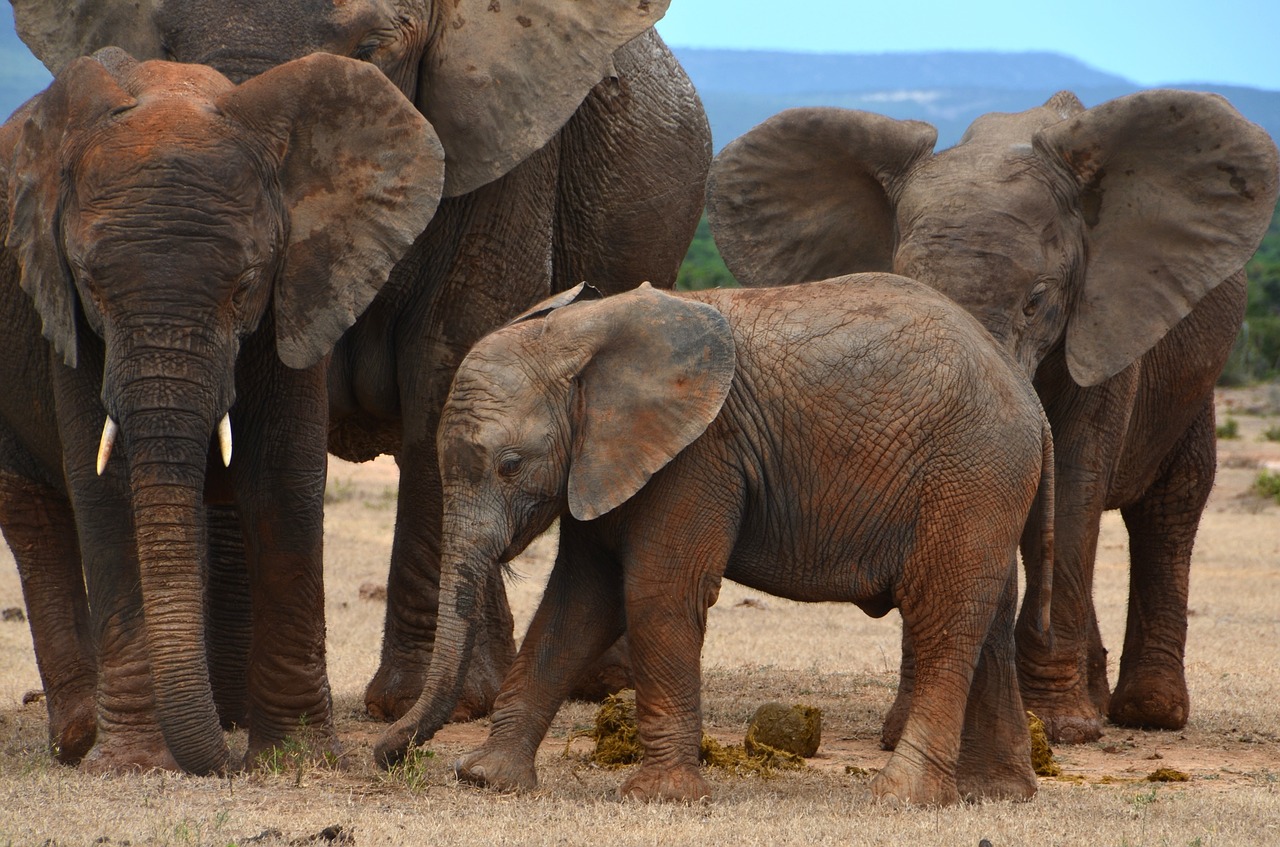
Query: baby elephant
{"points": [[856, 439]]}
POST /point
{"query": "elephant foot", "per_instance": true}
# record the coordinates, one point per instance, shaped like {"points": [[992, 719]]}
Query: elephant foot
{"points": [[72, 730], [1069, 728], [1069, 714], [657, 783], [610, 674], [309, 748], [909, 783], [1151, 701], [1012, 782], [894, 721], [496, 770], [392, 691], [132, 752]]}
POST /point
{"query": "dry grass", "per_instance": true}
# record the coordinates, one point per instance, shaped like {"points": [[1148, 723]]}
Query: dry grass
{"points": [[758, 648]]}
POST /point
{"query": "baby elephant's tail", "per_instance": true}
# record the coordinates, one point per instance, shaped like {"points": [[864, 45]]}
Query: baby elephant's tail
{"points": [[1044, 497]]}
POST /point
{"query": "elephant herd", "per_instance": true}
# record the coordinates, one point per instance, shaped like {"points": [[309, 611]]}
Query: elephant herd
{"points": [[239, 236]]}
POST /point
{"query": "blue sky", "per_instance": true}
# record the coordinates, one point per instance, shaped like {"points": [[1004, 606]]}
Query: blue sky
{"points": [[1150, 42]]}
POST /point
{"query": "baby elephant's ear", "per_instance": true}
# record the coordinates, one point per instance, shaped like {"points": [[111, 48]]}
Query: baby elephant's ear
{"points": [[658, 371]]}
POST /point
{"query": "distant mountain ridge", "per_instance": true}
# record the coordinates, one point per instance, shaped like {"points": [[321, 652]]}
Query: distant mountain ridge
{"points": [[775, 72], [740, 88]]}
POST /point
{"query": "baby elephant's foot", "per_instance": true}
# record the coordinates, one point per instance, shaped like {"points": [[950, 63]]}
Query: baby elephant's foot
{"points": [[903, 783], [498, 770], [683, 783]]}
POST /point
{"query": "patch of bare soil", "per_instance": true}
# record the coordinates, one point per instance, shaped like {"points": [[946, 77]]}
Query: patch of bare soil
{"points": [[758, 648]]}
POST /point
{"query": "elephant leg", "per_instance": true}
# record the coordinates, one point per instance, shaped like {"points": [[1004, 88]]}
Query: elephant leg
{"points": [[228, 619], [966, 590], [1055, 672], [580, 616], [278, 474], [485, 258], [995, 747], [41, 532], [891, 730], [671, 581], [1152, 687]]}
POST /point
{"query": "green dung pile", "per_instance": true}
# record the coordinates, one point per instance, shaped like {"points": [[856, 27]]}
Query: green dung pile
{"points": [[1041, 753], [618, 743]]}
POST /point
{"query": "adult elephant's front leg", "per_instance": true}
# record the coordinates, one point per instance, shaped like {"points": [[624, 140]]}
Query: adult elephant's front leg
{"points": [[485, 258], [1063, 679], [280, 431]]}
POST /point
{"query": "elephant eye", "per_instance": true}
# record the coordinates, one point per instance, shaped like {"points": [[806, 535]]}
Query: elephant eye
{"points": [[1035, 298], [509, 465]]}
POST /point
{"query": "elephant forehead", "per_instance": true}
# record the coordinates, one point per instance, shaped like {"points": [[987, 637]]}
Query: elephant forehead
{"points": [[245, 37], [165, 80]]}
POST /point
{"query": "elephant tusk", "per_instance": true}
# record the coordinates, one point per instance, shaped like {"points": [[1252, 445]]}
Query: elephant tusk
{"points": [[109, 430], [224, 439]]}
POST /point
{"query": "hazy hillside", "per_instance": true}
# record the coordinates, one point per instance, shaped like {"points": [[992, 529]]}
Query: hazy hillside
{"points": [[742, 88], [21, 74]]}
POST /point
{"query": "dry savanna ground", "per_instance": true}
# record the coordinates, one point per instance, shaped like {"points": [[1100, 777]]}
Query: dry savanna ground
{"points": [[758, 648]]}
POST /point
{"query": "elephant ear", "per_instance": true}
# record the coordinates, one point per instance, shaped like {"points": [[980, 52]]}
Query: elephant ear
{"points": [[361, 172], [35, 153], [808, 194], [58, 31], [580, 293], [501, 77], [1177, 190], [657, 371]]}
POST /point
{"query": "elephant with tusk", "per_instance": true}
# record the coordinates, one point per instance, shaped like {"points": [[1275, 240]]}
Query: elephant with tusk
{"points": [[181, 252]]}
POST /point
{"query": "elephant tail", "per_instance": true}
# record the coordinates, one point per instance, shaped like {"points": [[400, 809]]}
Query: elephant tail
{"points": [[1044, 497]]}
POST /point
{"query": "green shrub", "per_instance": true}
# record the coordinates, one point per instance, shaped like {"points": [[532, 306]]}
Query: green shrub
{"points": [[1230, 428], [702, 266], [1272, 433], [1268, 485]]}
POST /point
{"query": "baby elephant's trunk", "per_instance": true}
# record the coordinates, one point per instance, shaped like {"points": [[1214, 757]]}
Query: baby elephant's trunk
{"points": [[456, 628]]}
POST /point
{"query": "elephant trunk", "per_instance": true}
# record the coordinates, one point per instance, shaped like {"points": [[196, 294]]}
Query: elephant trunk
{"points": [[464, 579], [167, 423]]}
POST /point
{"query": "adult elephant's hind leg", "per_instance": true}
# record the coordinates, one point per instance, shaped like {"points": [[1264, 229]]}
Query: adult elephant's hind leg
{"points": [[995, 748], [41, 532], [1152, 688]]}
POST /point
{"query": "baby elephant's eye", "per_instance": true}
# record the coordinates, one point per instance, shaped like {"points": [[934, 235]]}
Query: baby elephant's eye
{"points": [[509, 465]]}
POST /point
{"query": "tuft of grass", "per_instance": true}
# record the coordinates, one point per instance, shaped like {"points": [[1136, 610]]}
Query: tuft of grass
{"points": [[1267, 484], [411, 771], [1228, 429], [1271, 433]]}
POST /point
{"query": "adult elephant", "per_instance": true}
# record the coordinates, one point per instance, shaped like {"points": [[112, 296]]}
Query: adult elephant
{"points": [[1104, 248], [576, 149], [191, 251]]}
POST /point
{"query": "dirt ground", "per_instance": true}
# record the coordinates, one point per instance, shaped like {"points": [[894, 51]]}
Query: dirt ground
{"points": [[758, 648]]}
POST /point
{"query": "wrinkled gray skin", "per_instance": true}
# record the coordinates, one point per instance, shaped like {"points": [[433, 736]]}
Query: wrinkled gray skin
{"points": [[576, 149], [1104, 249], [189, 250], [859, 439]]}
